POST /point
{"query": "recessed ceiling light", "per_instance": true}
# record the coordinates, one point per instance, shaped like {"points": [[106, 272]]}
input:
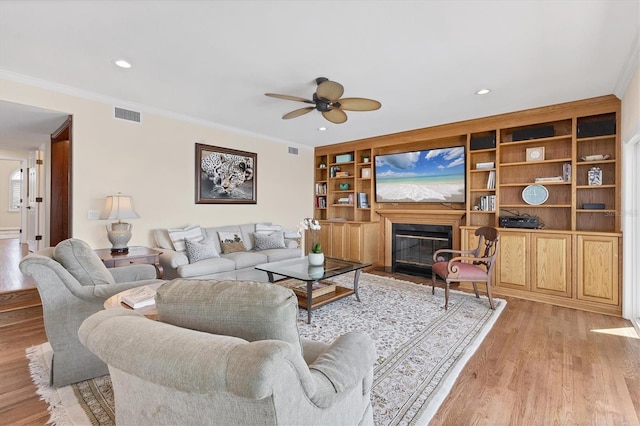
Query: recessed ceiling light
{"points": [[322, 129], [122, 63], [483, 91]]}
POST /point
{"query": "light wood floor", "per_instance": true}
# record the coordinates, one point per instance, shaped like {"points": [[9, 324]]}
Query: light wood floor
{"points": [[539, 365]]}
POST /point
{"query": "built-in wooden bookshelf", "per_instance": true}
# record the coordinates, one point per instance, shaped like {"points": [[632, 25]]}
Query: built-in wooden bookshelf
{"points": [[577, 216]]}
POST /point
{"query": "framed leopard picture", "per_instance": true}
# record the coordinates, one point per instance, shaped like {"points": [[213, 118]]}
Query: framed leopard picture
{"points": [[225, 176]]}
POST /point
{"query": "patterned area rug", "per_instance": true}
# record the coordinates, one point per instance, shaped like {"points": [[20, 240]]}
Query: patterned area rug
{"points": [[421, 350]]}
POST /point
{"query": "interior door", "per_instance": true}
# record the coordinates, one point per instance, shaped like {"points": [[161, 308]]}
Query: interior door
{"points": [[34, 201], [60, 197]]}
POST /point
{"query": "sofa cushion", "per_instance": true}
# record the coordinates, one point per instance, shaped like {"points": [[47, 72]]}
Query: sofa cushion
{"points": [[178, 235], [246, 259], [231, 242], [245, 309], [273, 240], [213, 265], [275, 255], [263, 228], [197, 251], [82, 262]]}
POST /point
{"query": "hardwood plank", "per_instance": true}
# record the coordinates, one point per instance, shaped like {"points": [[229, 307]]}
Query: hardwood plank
{"points": [[11, 279]]}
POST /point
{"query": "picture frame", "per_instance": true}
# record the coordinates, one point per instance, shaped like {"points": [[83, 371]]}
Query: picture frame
{"points": [[225, 176], [535, 154]]}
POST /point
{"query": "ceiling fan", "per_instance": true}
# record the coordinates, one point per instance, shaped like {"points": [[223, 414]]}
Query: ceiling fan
{"points": [[327, 100]]}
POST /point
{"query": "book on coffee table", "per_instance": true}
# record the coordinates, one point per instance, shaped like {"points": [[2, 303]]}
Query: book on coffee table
{"points": [[139, 297], [319, 289]]}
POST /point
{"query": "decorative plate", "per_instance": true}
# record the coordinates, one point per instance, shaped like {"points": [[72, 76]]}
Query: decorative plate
{"points": [[535, 194]]}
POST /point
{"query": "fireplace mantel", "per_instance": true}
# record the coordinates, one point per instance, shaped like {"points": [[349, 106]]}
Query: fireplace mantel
{"points": [[453, 218]]}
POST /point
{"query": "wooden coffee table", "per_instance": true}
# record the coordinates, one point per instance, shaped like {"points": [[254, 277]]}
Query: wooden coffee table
{"points": [[300, 269]]}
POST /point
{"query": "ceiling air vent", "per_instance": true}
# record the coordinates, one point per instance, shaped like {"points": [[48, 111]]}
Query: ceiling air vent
{"points": [[126, 114], [293, 150]]}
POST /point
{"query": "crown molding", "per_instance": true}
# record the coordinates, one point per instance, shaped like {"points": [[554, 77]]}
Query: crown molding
{"points": [[97, 97], [629, 69]]}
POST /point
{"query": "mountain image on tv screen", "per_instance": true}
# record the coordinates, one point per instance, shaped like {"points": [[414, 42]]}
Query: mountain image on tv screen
{"points": [[427, 176]]}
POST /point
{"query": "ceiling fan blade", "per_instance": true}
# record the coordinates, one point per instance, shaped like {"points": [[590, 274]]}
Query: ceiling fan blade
{"points": [[330, 90], [359, 104], [335, 115], [297, 113], [289, 98]]}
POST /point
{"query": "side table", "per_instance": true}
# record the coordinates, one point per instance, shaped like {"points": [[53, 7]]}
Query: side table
{"points": [[135, 256]]}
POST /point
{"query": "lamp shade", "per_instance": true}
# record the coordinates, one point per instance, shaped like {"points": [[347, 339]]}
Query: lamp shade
{"points": [[118, 207]]}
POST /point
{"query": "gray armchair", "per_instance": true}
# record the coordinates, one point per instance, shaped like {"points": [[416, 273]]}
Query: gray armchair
{"points": [[229, 353], [73, 284]]}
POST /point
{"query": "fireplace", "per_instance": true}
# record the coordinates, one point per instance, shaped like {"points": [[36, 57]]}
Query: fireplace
{"points": [[413, 245]]}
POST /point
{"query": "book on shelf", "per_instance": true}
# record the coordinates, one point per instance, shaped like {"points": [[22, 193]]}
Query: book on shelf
{"points": [[549, 179], [140, 297], [363, 200], [487, 165], [487, 203], [491, 180], [318, 289]]}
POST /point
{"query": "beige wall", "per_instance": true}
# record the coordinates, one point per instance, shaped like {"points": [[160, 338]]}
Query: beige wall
{"points": [[8, 219], [154, 162]]}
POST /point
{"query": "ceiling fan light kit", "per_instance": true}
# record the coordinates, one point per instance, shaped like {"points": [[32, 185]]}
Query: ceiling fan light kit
{"points": [[327, 100]]}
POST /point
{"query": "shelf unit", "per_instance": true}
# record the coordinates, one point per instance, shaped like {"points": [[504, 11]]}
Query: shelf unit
{"points": [[340, 185], [564, 209]]}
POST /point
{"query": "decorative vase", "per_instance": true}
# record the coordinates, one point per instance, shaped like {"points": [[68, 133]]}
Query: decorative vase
{"points": [[316, 259]]}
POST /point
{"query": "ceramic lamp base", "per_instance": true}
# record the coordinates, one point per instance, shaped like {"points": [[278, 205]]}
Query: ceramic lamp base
{"points": [[119, 235]]}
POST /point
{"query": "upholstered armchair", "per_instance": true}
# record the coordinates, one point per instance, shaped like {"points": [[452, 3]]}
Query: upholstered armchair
{"points": [[74, 283], [472, 265], [229, 353]]}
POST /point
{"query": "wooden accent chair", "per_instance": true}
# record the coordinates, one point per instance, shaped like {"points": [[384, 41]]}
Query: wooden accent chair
{"points": [[473, 265]]}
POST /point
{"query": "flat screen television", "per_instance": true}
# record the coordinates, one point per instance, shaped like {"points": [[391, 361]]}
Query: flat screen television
{"points": [[426, 176]]}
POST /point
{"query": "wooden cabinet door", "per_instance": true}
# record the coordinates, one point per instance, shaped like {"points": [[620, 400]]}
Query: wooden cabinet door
{"points": [[513, 264], [551, 264], [598, 266], [339, 240], [354, 249], [325, 240]]}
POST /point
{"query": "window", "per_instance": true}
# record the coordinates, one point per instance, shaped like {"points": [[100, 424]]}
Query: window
{"points": [[15, 192]]}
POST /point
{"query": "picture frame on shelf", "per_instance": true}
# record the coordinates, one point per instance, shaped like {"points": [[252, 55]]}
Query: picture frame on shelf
{"points": [[535, 154], [225, 176], [366, 173]]}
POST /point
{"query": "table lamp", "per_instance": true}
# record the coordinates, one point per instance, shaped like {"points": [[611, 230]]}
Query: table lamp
{"points": [[119, 207]]}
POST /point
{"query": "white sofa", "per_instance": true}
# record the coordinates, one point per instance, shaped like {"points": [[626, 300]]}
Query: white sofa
{"points": [[237, 265]]}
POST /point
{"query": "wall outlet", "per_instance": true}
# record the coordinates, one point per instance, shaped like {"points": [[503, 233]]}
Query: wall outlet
{"points": [[94, 215]]}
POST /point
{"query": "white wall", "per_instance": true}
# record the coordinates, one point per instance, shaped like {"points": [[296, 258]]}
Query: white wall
{"points": [[631, 201], [154, 162]]}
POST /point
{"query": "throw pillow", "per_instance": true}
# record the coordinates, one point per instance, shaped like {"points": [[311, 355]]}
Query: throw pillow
{"points": [[262, 228], [178, 235], [197, 251], [231, 242], [82, 262], [274, 240]]}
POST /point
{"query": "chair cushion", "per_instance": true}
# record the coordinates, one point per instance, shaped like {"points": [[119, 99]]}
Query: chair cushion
{"points": [[246, 309], [82, 262], [466, 271]]}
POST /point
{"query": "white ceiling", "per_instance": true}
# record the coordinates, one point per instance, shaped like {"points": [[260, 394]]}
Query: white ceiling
{"points": [[213, 60]]}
